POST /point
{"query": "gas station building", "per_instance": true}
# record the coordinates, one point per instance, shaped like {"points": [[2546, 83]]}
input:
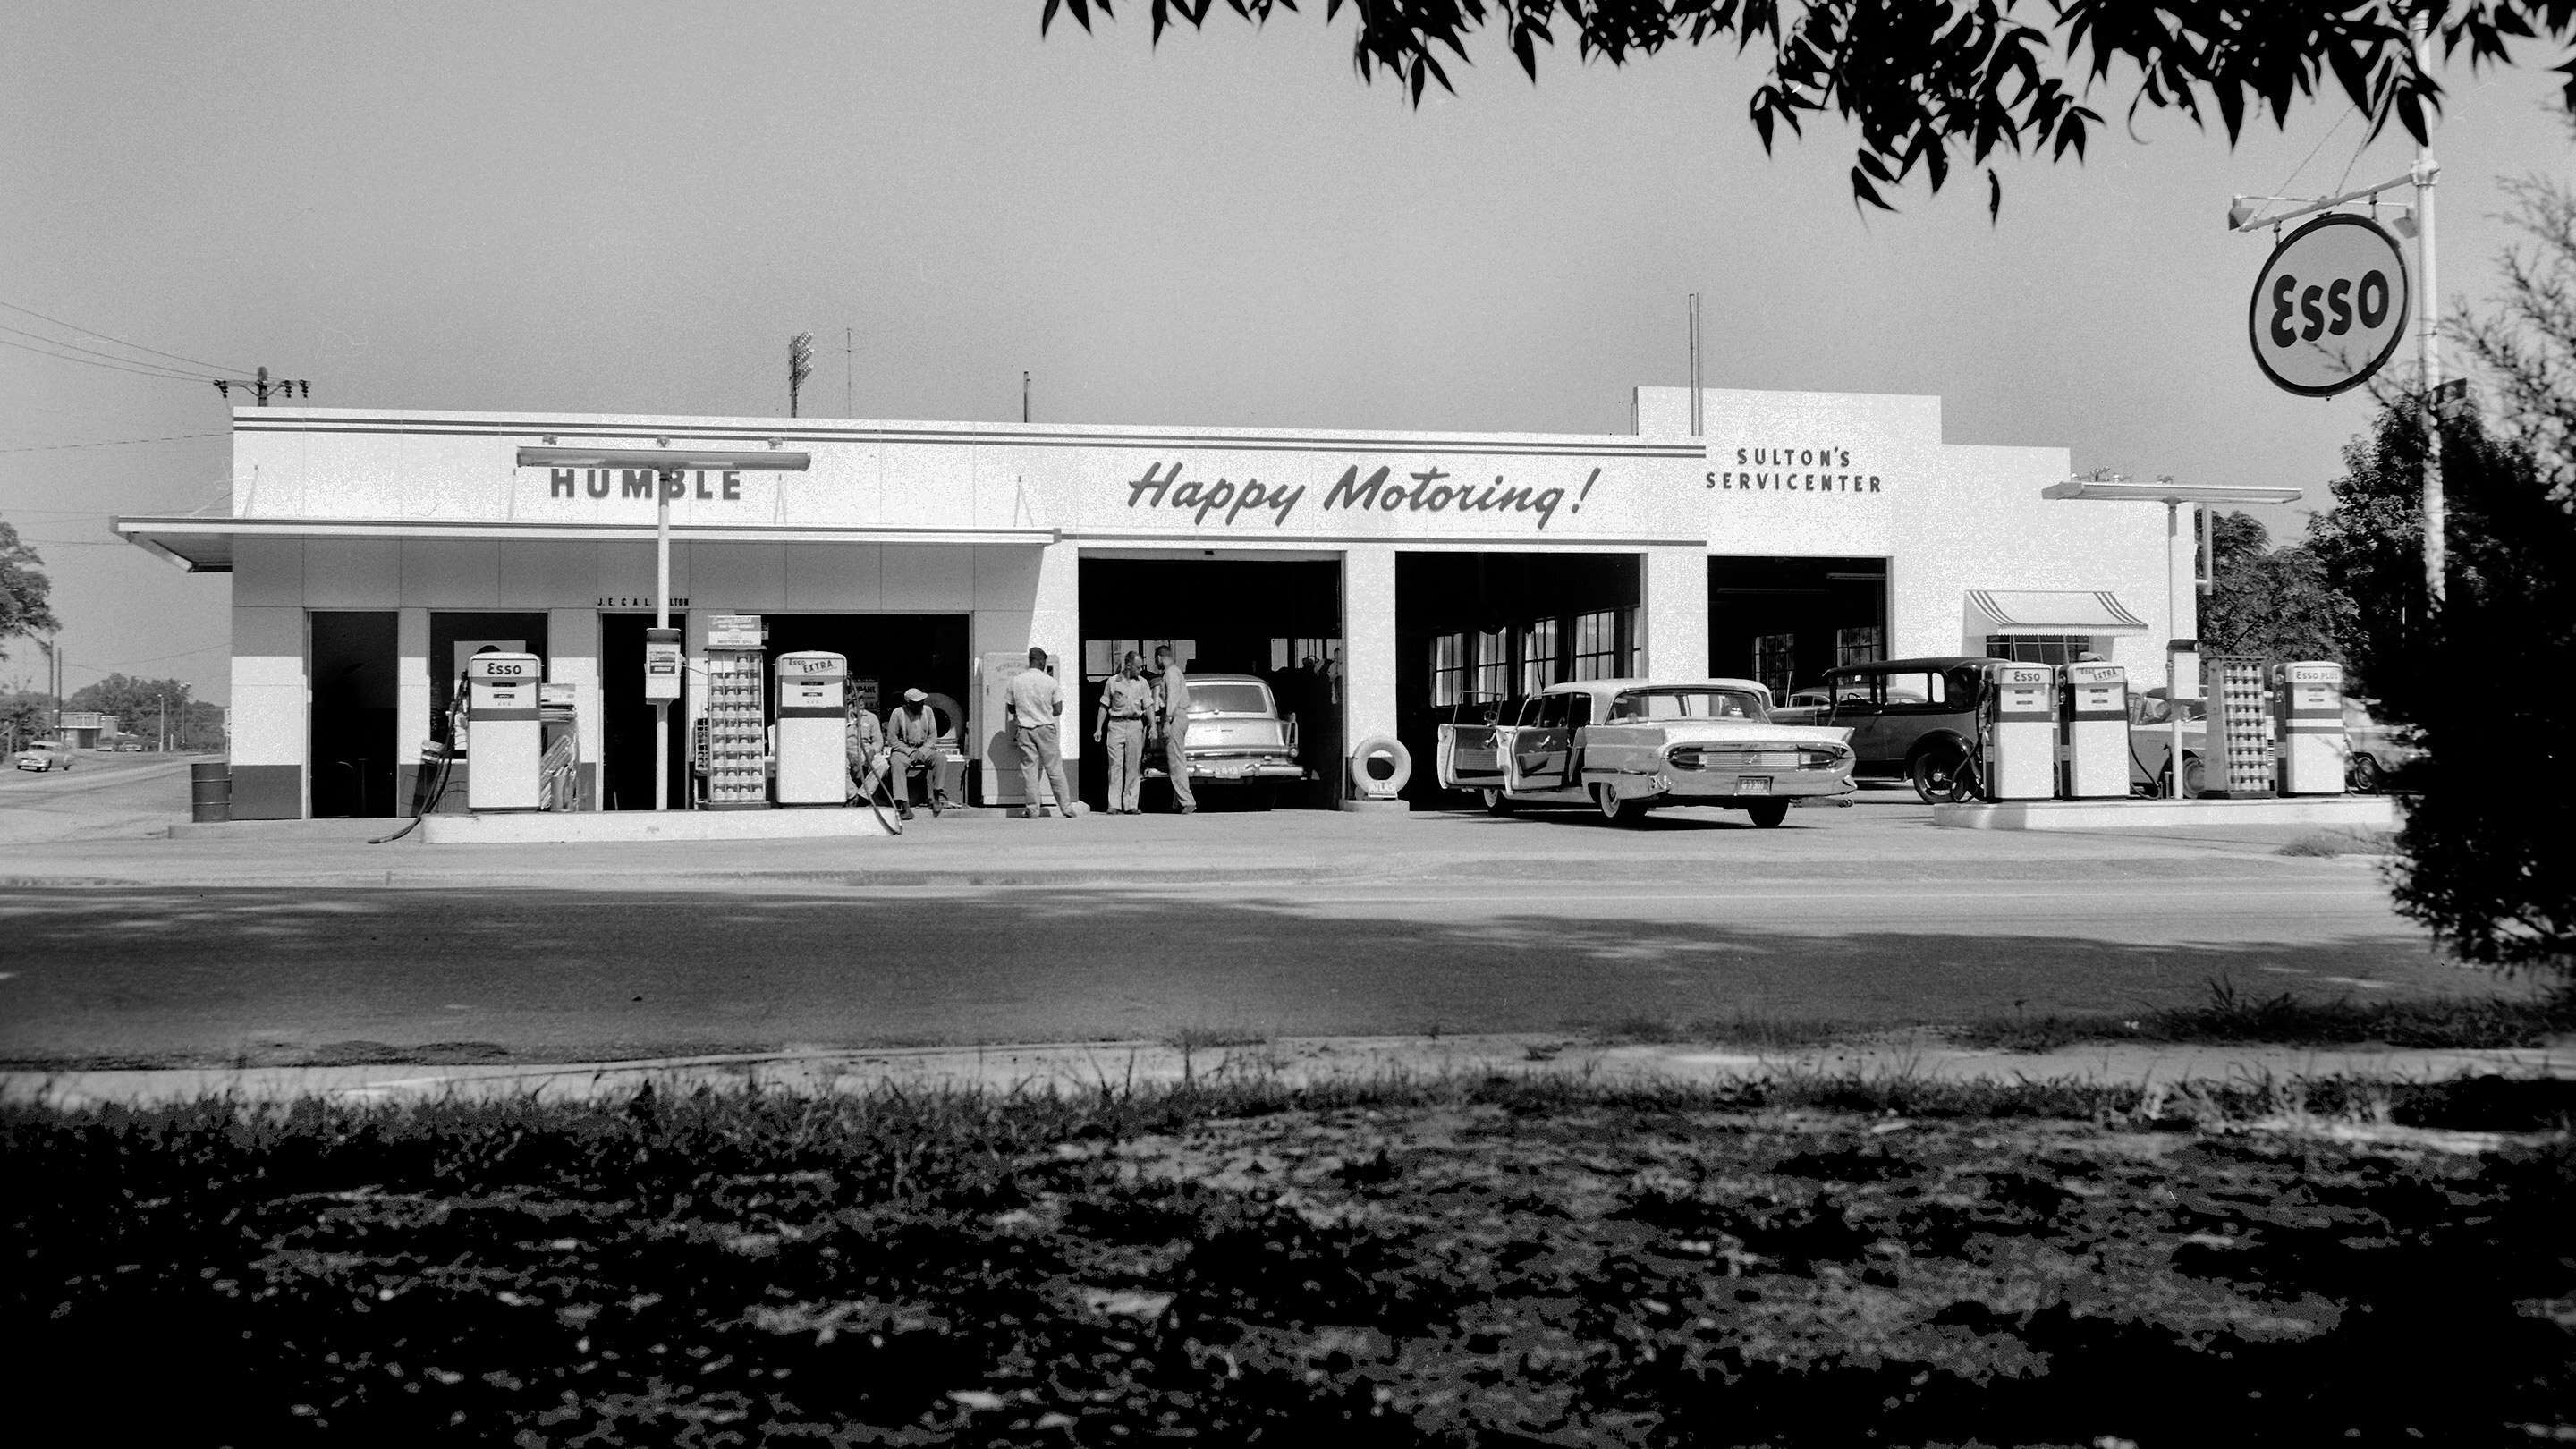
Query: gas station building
{"points": [[371, 552]]}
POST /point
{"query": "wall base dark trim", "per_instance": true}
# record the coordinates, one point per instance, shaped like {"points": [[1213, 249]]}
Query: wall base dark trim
{"points": [[268, 792]]}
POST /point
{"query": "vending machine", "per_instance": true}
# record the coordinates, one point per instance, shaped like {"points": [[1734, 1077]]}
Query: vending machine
{"points": [[813, 748], [737, 729], [2236, 751], [2093, 731], [506, 745], [559, 767], [2307, 709], [2018, 732], [999, 779]]}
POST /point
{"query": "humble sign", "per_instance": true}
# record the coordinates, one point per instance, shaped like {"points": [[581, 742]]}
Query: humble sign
{"points": [[2330, 306]]}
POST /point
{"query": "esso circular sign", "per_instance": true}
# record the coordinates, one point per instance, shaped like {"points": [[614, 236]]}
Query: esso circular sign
{"points": [[2330, 306]]}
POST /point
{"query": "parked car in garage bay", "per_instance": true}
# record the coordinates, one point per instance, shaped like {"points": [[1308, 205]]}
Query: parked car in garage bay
{"points": [[1626, 746], [1237, 743]]}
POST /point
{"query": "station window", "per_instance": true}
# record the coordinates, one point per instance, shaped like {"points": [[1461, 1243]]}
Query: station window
{"points": [[1494, 665], [2042, 648], [1600, 644], [1859, 646], [1539, 642], [1448, 669], [1773, 658]]}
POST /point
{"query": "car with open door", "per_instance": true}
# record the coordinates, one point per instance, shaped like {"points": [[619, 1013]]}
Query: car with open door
{"points": [[1627, 746]]}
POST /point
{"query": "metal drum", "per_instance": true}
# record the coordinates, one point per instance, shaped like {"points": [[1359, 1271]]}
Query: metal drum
{"points": [[210, 791]]}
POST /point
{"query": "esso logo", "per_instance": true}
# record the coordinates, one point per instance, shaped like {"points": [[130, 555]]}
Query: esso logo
{"points": [[2330, 306]]}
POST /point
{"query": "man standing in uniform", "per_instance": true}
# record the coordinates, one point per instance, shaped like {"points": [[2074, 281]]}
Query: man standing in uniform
{"points": [[1125, 701], [913, 733], [1174, 689], [1034, 703]]}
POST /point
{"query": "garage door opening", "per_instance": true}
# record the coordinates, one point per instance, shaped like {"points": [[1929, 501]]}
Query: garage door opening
{"points": [[1277, 620], [355, 669], [1485, 629], [1785, 621]]}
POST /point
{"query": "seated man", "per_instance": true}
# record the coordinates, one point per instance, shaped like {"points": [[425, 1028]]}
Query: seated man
{"points": [[913, 750]]}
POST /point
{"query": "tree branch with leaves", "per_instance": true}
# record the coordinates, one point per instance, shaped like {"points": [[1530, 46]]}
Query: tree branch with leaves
{"points": [[1932, 83]]}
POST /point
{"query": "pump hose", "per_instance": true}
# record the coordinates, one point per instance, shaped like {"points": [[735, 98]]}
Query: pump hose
{"points": [[885, 787], [423, 802]]}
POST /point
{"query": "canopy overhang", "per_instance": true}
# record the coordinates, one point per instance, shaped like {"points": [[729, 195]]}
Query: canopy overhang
{"points": [[205, 545], [2053, 611]]}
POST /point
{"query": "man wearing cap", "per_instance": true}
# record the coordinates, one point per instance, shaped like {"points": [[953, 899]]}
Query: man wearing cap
{"points": [[912, 737], [1032, 702], [1125, 701]]}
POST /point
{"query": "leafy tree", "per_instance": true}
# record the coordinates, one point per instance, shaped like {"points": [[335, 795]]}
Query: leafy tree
{"points": [[25, 592], [201, 728], [1928, 81], [2528, 351], [2485, 856], [137, 703], [2275, 602], [25, 715]]}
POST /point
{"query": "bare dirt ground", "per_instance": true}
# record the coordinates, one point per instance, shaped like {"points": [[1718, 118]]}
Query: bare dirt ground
{"points": [[1498, 1264]]}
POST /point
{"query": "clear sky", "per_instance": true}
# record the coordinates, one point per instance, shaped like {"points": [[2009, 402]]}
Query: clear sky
{"points": [[631, 207]]}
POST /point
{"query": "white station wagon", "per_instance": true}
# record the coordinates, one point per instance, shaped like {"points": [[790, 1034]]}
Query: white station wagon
{"points": [[1625, 746]]}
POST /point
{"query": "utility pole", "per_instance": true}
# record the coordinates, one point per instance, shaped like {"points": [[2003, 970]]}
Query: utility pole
{"points": [[848, 387], [1024, 395], [1695, 416], [165, 723], [2428, 346], [800, 366], [263, 385]]}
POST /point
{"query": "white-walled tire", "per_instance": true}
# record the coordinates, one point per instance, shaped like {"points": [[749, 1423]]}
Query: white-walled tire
{"points": [[1388, 748], [1615, 809]]}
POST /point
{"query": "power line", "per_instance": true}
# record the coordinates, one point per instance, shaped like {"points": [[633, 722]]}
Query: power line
{"points": [[112, 443], [166, 375], [119, 341], [76, 347]]}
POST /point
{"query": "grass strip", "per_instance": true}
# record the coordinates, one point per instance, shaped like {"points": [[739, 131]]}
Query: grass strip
{"points": [[1455, 1261]]}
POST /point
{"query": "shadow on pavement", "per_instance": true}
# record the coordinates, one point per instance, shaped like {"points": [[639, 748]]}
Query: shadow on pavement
{"points": [[222, 976]]}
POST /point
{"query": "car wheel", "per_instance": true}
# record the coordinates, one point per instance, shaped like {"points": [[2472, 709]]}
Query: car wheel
{"points": [[1768, 813], [1497, 803], [2195, 779], [1616, 810], [2364, 777], [1940, 775]]}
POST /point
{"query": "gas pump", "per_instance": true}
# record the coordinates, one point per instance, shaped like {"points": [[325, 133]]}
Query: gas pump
{"points": [[2307, 710], [2093, 713], [502, 720], [813, 766], [2017, 732]]}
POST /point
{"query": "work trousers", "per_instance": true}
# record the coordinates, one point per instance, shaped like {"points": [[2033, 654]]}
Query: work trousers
{"points": [[1126, 762], [923, 767], [1176, 760], [1040, 758]]}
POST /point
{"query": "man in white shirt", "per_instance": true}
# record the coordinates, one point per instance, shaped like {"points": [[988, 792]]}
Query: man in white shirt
{"points": [[1173, 691], [1126, 701], [1033, 703]]}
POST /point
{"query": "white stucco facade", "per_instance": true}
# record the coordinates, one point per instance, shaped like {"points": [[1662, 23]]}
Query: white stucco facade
{"points": [[415, 513]]}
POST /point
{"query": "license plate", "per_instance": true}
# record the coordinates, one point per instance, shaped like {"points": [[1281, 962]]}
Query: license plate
{"points": [[1752, 784]]}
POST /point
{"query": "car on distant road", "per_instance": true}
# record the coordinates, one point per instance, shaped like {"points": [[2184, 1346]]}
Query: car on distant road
{"points": [[44, 755], [1627, 746], [1236, 741]]}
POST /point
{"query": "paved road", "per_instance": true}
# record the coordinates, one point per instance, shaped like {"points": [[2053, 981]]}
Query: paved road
{"points": [[291, 947]]}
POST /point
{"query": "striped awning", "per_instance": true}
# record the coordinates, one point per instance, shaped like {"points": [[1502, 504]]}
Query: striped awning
{"points": [[2052, 611]]}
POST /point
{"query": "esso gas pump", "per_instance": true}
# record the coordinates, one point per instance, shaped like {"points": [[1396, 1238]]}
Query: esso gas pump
{"points": [[813, 750], [2307, 710], [2017, 732], [2093, 725], [502, 719]]}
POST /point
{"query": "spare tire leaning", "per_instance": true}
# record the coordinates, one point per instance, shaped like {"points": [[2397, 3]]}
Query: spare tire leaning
{"points": [[1380, 747]]}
